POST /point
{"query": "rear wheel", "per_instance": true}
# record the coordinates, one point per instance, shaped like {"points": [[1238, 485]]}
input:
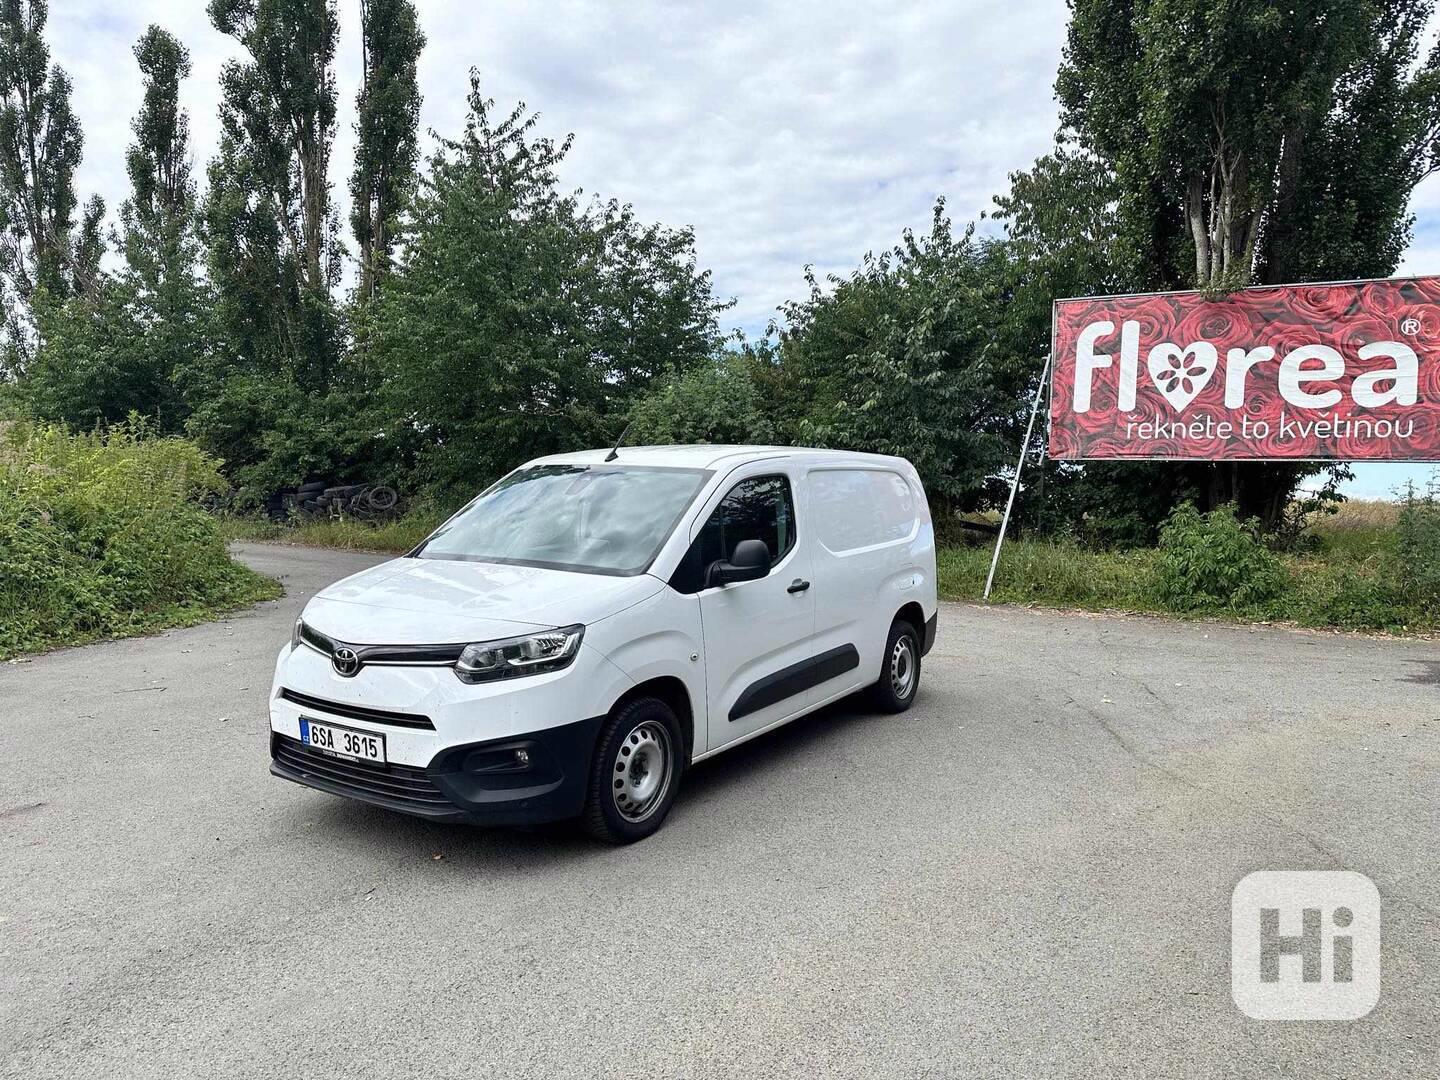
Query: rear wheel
{"points": [[635, 772], [899, 677]]}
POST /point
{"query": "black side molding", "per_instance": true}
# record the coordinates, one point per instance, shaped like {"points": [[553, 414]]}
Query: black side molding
{"points": [[931, 625], [795, 679]]}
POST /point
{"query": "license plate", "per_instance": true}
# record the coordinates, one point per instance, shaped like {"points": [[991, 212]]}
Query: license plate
{"points": [[342, 741]]}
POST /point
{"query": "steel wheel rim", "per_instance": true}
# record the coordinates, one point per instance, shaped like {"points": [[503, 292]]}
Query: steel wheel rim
{"points": [[640, 774], [902, 667]]}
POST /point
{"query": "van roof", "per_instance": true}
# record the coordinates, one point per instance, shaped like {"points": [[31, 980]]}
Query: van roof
{"points": [[709, 456]]}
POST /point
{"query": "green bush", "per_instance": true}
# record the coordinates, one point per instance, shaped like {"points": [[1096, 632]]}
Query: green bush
{"points": [[717, 402], [101, 535], [1416, 568], [1215, 561]]}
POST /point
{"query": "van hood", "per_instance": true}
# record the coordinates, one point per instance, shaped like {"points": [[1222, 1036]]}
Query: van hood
{"points": [[435, 601]]}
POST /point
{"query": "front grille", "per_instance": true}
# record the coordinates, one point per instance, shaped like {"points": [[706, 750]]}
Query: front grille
{"points": [[403, 786], [394, 655], [358, 712]]}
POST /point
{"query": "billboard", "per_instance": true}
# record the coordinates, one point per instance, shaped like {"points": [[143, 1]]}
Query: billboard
{"points": [[1348, 371]]}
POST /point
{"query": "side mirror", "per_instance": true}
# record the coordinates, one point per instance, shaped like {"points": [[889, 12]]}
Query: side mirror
{"points": [[749, 560]]}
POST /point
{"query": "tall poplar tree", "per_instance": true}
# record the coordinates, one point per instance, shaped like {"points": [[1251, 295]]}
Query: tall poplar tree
{"points": [[158, 161], [162, 281], [1282, 141], [128, 341], [40, 148], [274, 245], [387, 149]]}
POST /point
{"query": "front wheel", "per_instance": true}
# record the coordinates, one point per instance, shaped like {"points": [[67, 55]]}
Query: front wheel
{"points": [[899, 677], [635, 772]]}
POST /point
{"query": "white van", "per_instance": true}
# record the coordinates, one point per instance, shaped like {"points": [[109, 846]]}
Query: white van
{"points": [[594, 623]]}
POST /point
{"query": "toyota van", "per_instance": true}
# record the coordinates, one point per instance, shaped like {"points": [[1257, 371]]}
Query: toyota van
{"points": [[592, 624]]}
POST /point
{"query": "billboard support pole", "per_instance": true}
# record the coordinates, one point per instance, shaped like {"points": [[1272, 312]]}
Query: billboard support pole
{"points": [[1015, 483]]}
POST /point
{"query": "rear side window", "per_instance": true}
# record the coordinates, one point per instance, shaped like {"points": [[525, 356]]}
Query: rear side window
{"points": [[858, 508], [760, 508]]}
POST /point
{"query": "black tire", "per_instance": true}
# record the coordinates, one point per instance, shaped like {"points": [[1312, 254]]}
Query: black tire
{"points": [[382, 498], [899, 678], [618, 773]]}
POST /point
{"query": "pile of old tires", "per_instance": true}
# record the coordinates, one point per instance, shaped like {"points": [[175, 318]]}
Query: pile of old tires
{"points": [[318, 498]]}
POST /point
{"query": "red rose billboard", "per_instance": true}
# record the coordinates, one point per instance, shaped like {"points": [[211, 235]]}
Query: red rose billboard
{"points": [[1350, 372]]}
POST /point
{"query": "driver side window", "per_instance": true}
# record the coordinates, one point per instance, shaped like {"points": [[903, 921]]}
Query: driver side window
{"points": [[759, 508]]}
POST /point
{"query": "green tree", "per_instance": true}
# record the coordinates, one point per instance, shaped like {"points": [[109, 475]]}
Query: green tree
{"points": [[158, 161], [1062, 233], [273, 233], [131, 341], [162, 281], [1285, 137], [89, 366], [40, 147], [521, 320], [89, 248], [724, 401], [386, 151], [910, 355]]}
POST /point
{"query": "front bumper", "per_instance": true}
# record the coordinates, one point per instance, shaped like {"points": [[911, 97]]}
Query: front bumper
{"points": [[451, 746], [483, 783]]}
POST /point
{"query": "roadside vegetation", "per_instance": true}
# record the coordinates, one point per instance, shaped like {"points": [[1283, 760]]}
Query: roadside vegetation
{"points": [[103, 536], [1367, 566]]}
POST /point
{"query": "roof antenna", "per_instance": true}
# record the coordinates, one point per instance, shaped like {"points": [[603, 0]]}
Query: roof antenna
{"points": [[615, 450]]}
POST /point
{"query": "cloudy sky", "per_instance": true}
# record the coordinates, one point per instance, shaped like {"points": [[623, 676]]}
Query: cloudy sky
{"points": [[784, 133]]}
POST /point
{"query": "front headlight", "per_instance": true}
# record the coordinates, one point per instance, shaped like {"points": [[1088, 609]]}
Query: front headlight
{"points": [[530, 654], [296, 632]]}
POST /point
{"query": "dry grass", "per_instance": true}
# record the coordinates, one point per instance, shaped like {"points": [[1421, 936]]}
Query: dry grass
{"points": [[1359, 529], [1359, 515]]}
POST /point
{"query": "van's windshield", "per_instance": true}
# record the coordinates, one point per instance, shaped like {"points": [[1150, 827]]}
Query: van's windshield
{"points": [[598, 519]]}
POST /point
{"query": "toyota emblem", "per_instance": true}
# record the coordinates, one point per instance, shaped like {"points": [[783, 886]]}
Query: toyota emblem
{"points": [[345, 662]]}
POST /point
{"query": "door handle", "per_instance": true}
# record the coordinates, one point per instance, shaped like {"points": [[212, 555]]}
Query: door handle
{"points": [[798, 585]]}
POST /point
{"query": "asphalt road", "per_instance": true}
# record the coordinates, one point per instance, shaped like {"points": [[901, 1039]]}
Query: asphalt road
{"points": [[1027, 874]]}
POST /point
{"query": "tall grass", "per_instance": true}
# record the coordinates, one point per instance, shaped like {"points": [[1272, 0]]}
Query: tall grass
{"points": [[1357, 529], [1052, 573], [349, 534]]}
